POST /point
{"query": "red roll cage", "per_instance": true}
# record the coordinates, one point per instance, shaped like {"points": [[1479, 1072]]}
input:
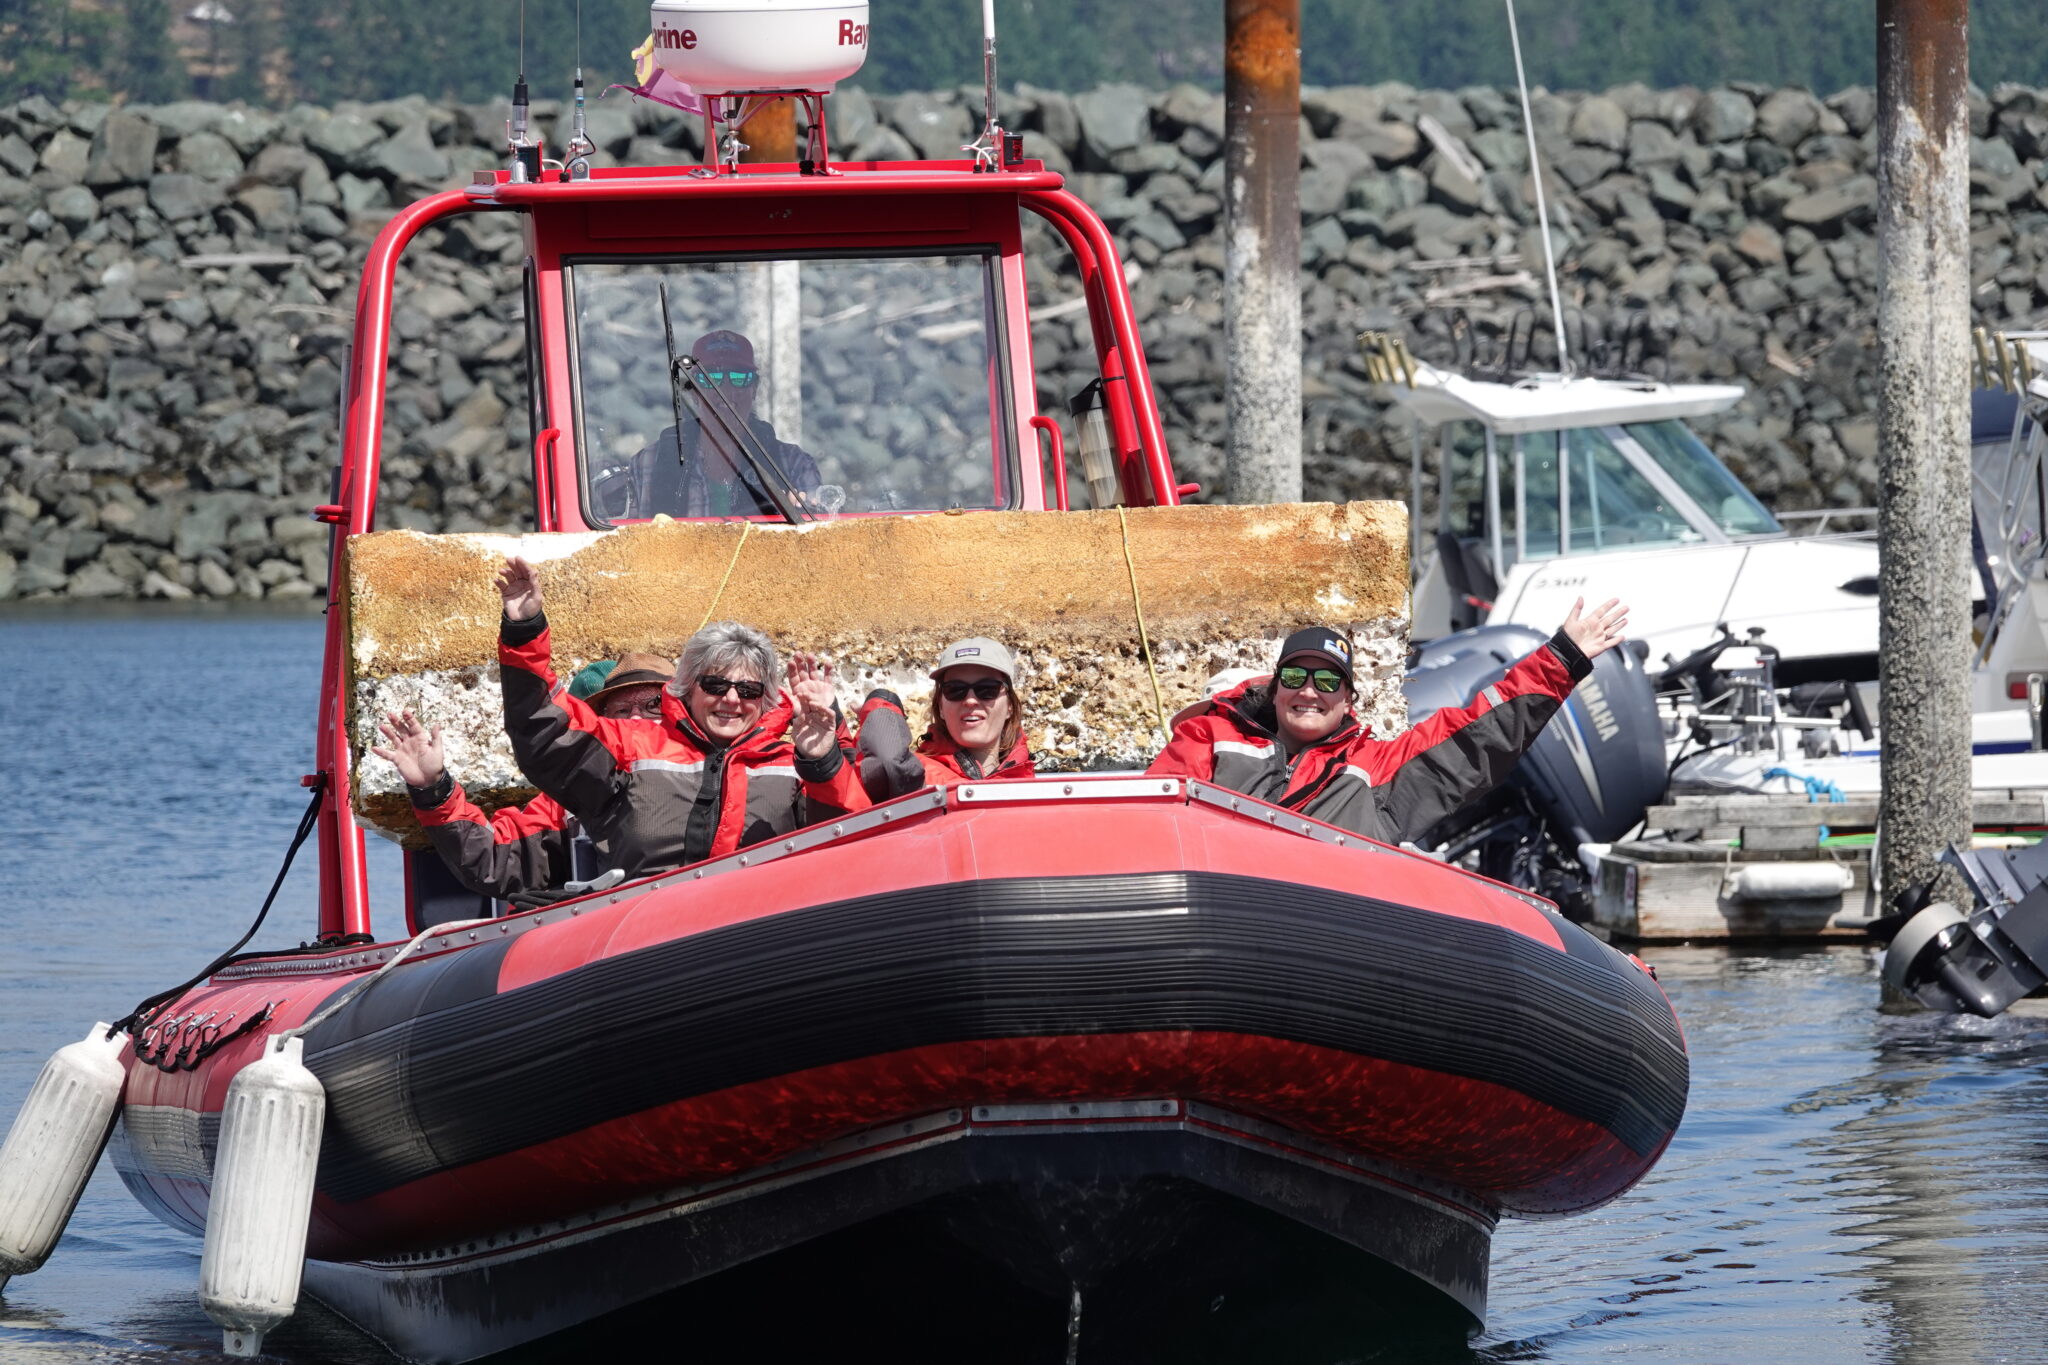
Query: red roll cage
{"points": [[626, 212]]}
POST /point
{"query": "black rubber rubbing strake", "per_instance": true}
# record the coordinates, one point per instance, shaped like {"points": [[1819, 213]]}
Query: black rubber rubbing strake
{"points": [[472, 1075]]}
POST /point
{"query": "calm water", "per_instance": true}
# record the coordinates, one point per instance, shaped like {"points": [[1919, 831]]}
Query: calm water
{"points": [[1846, 1187]]}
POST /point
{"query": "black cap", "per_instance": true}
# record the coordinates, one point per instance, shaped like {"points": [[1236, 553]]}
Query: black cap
{"points": [[1322, 642]]}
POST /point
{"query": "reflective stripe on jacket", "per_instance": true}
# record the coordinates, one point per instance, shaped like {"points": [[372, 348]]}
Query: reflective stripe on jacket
{"points": [[519, 848], [1385, 789], [660, 796]]}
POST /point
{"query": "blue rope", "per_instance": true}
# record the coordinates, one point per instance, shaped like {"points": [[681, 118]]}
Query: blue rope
{"points": [[1816, 787]]}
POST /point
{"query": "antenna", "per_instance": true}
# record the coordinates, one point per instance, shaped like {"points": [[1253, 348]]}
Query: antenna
{"points": [[987, 149], [1564, 360], [580, 146], [525, 151]]}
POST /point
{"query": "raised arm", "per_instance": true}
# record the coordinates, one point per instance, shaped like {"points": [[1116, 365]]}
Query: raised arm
{"points": [[888, 768], [514, 850], [1456, 755], [831, 785], [564, 748]]}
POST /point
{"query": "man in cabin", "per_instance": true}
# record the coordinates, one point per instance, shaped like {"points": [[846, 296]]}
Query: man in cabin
{"points": [[1294, 741], [516, 852], [714, 474]]}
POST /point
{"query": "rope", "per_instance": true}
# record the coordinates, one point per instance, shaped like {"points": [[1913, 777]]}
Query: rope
{"points": [[745, 527], [306, 824], [1144, 641]]}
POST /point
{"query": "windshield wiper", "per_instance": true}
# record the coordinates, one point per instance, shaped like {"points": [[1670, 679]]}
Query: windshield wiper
{"points": [[788, 499], [675, 374]]}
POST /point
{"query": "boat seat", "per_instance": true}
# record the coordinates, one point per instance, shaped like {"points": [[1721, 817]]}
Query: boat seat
{"points": [[1473, 587]]}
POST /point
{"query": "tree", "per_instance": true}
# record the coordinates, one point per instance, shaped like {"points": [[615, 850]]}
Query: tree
{"points": [[142, 63]]}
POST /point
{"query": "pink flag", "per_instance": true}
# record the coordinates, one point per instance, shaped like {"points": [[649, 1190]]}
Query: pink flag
{"points": [[657, 85]]}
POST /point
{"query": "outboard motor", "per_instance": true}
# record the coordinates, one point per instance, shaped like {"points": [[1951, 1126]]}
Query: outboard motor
{"points": [[1588, 779], [1982, 961]]}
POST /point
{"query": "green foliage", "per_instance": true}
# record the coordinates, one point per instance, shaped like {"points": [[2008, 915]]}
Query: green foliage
{"points": [[285, 50], [142, 63], [46, 44]]}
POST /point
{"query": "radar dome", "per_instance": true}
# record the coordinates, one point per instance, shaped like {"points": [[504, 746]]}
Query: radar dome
{"points": [[733, 47]]}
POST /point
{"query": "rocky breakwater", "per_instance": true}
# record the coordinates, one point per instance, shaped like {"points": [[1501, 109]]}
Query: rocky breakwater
{"points": [[176, 288]]}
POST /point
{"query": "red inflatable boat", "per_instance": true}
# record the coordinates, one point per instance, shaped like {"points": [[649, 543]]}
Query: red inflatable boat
{"points": [[1145, 999]]}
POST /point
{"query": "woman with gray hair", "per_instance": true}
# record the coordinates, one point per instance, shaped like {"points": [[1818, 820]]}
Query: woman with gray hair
{"points": [[735, 760]]}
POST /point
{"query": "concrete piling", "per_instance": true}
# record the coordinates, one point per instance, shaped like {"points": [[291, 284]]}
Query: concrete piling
{"points": [[1923, 436], [1262, 249]]}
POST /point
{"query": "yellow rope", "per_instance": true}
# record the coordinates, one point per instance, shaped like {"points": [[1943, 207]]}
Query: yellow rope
{"points": [[1144, 641], [745, 527]]}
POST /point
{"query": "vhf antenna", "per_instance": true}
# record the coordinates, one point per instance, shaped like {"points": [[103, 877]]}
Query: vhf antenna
{"points": [[525, 151], [580, 146], [987, 149]]}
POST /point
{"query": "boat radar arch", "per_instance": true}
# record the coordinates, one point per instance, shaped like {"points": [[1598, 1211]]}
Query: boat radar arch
{"points": [[738, 47], [1548, 403]]}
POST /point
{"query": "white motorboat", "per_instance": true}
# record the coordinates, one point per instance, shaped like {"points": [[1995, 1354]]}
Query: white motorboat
{"points": [[1546, 489]]}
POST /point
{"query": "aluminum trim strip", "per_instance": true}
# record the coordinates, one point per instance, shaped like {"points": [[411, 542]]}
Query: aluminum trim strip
{"points": [[1040, 790]]}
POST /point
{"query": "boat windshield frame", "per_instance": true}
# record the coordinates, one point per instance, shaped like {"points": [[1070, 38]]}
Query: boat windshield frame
{"points": [[1006, 458]]}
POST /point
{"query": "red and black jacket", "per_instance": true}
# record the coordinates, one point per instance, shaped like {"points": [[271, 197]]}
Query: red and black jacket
{"points": [[660, 796], [517, 849], [1385, 789], [889, 767]]}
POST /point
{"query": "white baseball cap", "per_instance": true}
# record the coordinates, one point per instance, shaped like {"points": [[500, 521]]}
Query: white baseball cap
{"points": [[978, 649]]}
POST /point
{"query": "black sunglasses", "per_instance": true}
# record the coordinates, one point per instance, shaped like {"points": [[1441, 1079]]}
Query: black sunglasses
{"points": [[748, 689], [988, 689], [1325, 679], [738, 379]]}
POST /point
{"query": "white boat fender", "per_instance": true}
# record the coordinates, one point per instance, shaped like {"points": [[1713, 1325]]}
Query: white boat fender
{"points": [[262, 1196], [1786, 881], [55, 1142]]}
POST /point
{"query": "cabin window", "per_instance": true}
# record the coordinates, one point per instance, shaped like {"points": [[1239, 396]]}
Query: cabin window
{"points": [[1704, 478], [875, 384]]}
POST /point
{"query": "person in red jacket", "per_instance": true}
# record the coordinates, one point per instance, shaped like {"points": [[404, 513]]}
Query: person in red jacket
{"points": [[520, 851], [734, 761], [976, 732], [1293, 740]]}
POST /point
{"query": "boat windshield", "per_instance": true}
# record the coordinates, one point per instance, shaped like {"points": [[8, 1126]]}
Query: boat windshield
{"points": [[868, 384], [1704, 478], [1609, 504]]}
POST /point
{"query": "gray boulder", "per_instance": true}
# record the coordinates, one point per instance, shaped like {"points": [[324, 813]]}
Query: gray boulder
{"points": [[1829, 207], [1339, 111], [123, 151], [1600, 122], [177, 196], [16, 155], [342, 138], [936, 129], [1113, 119], [65, 156], [1788, 117], [186, 117], [1723, 115], [208, 156], [410, 155], [74, 206]]}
